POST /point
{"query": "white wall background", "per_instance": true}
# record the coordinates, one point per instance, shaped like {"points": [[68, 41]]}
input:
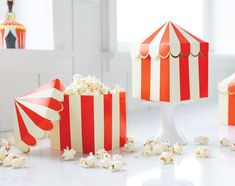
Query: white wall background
{"points": [[84, 42]]}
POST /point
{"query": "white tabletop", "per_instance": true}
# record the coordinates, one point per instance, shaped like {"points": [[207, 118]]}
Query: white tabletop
{"points": [[44, 167]]}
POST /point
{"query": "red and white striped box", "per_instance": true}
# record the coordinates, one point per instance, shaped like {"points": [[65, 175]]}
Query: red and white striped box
{"points": [[226, 90], [82, 122], [90, 123], [171, 65]]}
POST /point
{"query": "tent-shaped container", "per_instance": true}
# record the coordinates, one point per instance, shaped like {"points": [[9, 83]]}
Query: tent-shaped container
{"points": [[171, 65], [12, 33]]}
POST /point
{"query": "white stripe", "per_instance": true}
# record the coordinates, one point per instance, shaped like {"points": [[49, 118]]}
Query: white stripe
{"points": [[32, 128], [174, 42], [99, 121], [115, 121], [136, 77], [223, 108], [194, 44], [49, 93], [155, 79], [45, 112], [154, 45], [194, 77], [174, 79], [55, 136], [75, 122]]}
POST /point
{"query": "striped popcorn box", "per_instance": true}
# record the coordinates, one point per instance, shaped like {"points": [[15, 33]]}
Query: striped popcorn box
{"points": [[226, 90], [85, 123], [171, 65], [90, 123]]}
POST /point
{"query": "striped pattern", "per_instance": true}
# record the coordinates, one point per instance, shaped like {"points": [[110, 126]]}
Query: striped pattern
{"points": [[171, 65], [89, 123], [17, 29], [36, 112], [227, 101]]}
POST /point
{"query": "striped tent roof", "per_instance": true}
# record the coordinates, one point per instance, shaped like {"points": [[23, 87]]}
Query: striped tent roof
{"points": [[35, 112], [227, 86], [11, 24], [170, 39]]}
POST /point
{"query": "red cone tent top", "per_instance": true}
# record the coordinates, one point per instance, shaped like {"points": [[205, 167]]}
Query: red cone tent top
{"points": [[35, 112], [170, 39]]}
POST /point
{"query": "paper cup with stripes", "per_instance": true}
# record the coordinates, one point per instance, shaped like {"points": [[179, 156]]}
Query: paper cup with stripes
{"points": [[90, 123], [171, 65], [226, 90]]}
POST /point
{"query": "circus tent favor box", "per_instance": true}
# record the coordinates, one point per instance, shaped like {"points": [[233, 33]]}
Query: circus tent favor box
{"points": [[12, 33], [85, 123], [226, 90], [171, 65]]}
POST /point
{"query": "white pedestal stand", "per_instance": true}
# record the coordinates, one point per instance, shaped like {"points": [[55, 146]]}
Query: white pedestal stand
{"points": [[168, 130]]}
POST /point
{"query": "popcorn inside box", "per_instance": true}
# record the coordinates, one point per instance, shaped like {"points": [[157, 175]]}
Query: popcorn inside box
{"points": [[86, 116]]}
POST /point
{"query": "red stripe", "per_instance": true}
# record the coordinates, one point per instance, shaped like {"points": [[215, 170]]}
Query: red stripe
{"points": [[203, 75], [18, 37], [165, 79], [65, 139], [40, 121], [145, 78], [88, 136], [231, 109], [108, 121], [122, 103], [24, 134], [184, 78]]}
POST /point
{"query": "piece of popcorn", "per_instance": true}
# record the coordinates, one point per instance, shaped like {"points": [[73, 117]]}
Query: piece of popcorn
{"points": [[106, 155], [232, 147], [178, 149], [7, 161], [4, 142], [89, 162], [105, 163], [68, 154], [3, 154], [201, 140], [70, 91], [147, 150], [99, 153], [157, 148], [224, 142], [166, 146], [116, 166], [130, 140], [117, 89], [166, 157], [129, 147], [18, 162], [203, 152]]}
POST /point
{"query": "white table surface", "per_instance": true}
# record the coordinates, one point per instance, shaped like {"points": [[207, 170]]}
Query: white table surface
{"points": [[44, 167]]}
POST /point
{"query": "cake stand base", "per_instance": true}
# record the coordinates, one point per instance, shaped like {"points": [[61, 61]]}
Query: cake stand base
{"points": [[168, 131]]}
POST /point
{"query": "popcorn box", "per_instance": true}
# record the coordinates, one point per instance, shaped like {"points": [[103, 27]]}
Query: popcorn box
{"points": [[171, 65], [226, 90], [85, 123]]}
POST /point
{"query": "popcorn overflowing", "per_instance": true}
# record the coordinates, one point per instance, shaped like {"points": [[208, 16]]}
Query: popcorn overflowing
{"points": [[130, 145], [89, 85], [68, 154], [103, 159], [166, 157], [203, 152], [178, 149], [201, 140], [224, 142]]}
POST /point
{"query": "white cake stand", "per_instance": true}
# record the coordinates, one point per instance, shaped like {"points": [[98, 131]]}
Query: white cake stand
{"points": [[168, 130]]}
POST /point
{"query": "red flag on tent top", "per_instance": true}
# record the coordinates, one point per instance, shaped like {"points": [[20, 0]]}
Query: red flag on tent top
{"points": [[36, 112], [170, 65]]}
